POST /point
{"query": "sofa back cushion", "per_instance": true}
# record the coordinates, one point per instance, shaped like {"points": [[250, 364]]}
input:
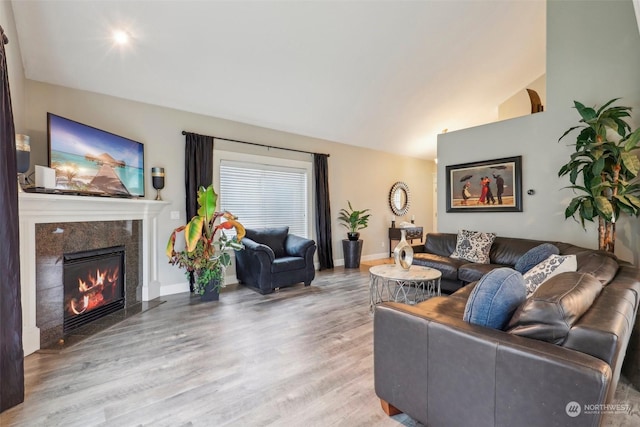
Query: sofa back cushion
{"points": [[442, 244], [601, 265], [272, 237], [555, 306], [606, 327], [508, 250]]}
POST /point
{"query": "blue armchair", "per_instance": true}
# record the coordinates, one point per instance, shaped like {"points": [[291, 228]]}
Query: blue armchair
{"points": [[273, 258]]}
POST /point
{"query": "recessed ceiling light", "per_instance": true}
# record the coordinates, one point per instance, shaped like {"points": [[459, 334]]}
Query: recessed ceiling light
{"points": [[121, 37]]}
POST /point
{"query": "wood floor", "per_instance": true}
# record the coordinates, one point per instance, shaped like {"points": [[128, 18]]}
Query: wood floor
{"points": [[300, 357]]}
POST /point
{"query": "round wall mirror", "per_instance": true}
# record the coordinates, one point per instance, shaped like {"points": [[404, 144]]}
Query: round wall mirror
{"points": [[399, 198]]}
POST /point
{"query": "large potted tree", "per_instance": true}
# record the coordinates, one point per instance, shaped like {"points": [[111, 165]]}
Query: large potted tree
{"points": [[203, 255], [353, 220], [603, 170]]}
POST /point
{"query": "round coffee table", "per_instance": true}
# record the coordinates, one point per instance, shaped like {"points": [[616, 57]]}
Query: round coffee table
{"points": [[390, 282]]}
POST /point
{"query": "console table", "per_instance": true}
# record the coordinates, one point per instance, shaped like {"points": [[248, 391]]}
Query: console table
{"points": [[412, 233]]}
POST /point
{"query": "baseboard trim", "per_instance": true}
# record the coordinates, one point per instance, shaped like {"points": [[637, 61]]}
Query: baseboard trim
{"points": [[371, 257]]}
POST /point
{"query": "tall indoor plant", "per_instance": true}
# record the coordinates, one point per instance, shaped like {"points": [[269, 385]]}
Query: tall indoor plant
{"points": [[353, 221], [603, 169], [204, 256]]}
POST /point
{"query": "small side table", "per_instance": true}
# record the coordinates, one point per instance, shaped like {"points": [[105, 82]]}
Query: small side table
{"points": [[390, 282]]}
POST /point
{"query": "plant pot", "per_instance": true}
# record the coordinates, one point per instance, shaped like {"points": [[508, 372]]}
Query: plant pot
{"points": [[211, 291], [352, 252], [353, 236]]}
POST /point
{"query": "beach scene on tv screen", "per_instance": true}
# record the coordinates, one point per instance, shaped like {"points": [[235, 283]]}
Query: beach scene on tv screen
{"points": [[90, 160]]}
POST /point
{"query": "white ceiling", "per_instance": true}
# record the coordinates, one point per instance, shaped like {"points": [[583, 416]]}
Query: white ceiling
{"points": [[388, 75]]}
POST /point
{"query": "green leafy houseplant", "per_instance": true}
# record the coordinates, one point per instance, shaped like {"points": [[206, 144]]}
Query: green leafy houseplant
{"points": [[354, 220], [203, 254], [603, 169]]}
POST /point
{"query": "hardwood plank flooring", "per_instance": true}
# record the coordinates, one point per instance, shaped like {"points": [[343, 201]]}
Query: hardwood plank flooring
{"points": [[300, 357]]}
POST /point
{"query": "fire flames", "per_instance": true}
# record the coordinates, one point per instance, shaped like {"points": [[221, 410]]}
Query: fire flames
{"points": [[95, 290]]}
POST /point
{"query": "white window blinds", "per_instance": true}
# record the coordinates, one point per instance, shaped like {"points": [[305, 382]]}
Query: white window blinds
{"points": [[265, 195]]}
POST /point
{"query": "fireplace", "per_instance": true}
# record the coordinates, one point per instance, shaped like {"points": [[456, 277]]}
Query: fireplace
{"points": [[58, 240], [52, 225], [94, 285]]}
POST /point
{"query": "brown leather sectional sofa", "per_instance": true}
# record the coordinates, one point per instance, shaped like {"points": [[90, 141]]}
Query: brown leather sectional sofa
{"points": [[443, 371]]}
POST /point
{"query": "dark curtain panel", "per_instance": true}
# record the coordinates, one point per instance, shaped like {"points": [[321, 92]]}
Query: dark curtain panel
{"points": [[198, 171], [198, 168], [323, 211], [11, 352]]}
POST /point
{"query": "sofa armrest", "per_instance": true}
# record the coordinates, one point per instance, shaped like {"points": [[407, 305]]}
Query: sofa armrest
{"points": [[297, 246], [443, 371], [419, 249], [251, 245], [253, 265]]}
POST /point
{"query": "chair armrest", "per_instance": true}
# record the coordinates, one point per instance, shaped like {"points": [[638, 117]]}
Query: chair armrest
{"points": [[297, 246], [251, 245]]}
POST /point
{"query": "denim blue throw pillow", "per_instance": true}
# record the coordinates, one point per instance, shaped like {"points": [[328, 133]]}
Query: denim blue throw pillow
{"points": [[535, 256], [495, 298]]}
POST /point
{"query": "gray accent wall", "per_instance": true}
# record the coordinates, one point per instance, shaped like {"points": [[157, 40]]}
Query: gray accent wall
{"points": [[593, 55]]}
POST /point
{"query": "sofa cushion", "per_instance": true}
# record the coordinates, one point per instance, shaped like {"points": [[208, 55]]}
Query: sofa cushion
{"points": [[555, 306], [472, 272], [535, 256], [445, 305], [495, 297], [447, 266], [600, 265], [464, 292], [548, 268], [473, 246], [288, 263], [272, 237]]}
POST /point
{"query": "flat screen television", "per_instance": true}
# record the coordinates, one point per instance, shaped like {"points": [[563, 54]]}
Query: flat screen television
{"points": [[92, 161]]}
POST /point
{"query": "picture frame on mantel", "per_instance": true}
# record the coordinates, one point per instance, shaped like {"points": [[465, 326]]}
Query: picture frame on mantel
{"points": [[485, 186]]}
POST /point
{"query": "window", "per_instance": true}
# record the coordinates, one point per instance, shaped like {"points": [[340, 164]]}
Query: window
{"points": [[266, 195]]}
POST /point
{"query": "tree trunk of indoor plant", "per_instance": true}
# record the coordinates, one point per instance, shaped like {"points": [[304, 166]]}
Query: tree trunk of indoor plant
{"points": [[606, 235]]}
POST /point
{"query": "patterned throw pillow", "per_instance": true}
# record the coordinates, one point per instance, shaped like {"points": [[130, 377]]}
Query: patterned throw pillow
{"points": [[473, 246], [548, 268]]}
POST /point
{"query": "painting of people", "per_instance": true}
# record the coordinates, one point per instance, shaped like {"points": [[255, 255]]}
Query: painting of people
{"points": [[486, 186]]}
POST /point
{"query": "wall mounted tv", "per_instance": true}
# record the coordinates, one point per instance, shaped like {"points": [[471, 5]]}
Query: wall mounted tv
{"points": [[92, 161]]}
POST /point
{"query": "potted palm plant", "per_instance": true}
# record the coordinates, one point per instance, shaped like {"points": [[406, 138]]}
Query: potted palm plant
{"points": [[603, 170], [353, 220], [203, 255]]}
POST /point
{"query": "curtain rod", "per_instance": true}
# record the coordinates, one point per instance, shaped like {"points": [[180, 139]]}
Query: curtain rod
{"points": [[184, 132]]}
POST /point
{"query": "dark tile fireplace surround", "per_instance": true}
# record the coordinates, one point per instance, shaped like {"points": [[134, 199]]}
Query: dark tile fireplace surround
{"points": [[55, 239]]}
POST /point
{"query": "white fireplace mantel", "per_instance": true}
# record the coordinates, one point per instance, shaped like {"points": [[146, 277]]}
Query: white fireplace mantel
{"points": [[50, 208]]}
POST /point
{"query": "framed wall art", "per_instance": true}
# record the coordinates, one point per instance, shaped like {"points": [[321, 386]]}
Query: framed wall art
{"points": [[487, 186]]}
